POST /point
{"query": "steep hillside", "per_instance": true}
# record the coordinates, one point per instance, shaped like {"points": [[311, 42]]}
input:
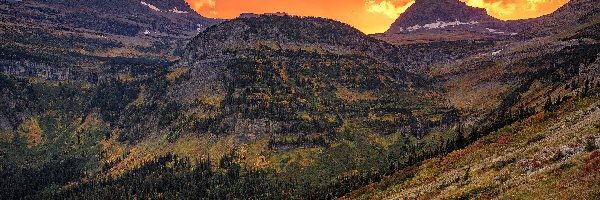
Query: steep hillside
{"points": [[267, 70], [281, 107], [517, 75], [432, 33], [280, 96], [553, 154], [74, 40], [307, 34], [571, 14], [552, 81]]}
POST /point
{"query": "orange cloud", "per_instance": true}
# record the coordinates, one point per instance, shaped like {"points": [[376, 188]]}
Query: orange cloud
{"points": [[391, 9], [203, 5], [369, 16], [517, 9]]}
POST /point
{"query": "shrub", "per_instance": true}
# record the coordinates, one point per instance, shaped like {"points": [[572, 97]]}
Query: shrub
{"points": [[503, 163], [593, 163], [535, 139], [483, 192], [590, 145]]}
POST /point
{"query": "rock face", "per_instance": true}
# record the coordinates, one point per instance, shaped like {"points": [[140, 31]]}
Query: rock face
{"points": [[428, 15], [284, 32], [85, 40], [130, 17], [280, 75]]}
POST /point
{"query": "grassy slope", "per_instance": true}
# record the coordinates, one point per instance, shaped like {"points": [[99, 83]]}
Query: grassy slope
{"points": [[547, 156]]}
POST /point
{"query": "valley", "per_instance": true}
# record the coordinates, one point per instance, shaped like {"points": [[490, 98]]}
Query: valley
{"points": [[167, 104]]}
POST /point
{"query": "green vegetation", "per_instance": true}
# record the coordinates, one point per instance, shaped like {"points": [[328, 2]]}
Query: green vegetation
{"points": [[310, 109], [590, 145], [533, 151]]}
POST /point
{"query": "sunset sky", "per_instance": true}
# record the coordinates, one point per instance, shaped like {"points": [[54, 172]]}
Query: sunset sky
{"points": [[369, 16]]}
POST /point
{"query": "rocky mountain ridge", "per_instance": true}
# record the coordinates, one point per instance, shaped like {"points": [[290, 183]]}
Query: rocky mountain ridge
{"points": [[53, 38], [449, 20]]}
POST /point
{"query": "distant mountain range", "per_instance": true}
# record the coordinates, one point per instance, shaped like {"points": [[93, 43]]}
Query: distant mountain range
{"points": [[426, 15], [81, 37], [432, 19], [120, 28], [118, 17]]}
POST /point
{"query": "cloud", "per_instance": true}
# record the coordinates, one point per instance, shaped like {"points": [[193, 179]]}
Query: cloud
{"points": [[391, 9], [499, 8], [533, 4], [517, 9], [208, 5]]}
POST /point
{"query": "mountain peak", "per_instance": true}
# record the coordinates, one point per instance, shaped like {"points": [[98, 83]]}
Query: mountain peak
{"points": [[435, 14]]}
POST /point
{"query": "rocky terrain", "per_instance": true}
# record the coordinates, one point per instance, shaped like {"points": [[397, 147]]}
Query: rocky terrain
{"points": [[425, 15], [85, 40], [449, 20], [541, 156]]}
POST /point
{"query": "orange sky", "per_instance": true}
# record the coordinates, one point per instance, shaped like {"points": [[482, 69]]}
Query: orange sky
{"points": [[369, 16]]}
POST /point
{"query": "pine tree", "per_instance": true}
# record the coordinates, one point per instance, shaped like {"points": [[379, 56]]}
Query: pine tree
{"points": [[548, 105], [460, 138]]}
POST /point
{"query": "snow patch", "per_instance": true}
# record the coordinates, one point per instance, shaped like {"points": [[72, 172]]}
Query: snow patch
{"points": [[494, 31], [442, 24], [175, 10], [146, 32], [496, 52], [151, 6], [438, 24]]}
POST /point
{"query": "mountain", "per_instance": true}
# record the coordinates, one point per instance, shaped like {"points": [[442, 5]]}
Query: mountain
{"points": [[267, 71], [572, 14], [255, 90], [79, 38], [547, 80], [448, 20], [129, 18], [119, 17], [441, 14], [281, 107]]}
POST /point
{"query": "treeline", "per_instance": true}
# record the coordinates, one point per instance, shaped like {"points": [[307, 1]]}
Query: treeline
{"points": [[18, 183], [172, 177]]}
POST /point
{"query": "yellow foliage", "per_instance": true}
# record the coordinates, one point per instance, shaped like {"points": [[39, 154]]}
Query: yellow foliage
{"points": [[302, 156], [141, 96], [264, 96], [89, 122], [86, 86], [214, 101], [176, 73], [31, 130], [304, 117], [111, 149], [6, 137], [253, 154], [348, 95], [283, 74], [193, 147], [391, 118], [125, 77]]}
